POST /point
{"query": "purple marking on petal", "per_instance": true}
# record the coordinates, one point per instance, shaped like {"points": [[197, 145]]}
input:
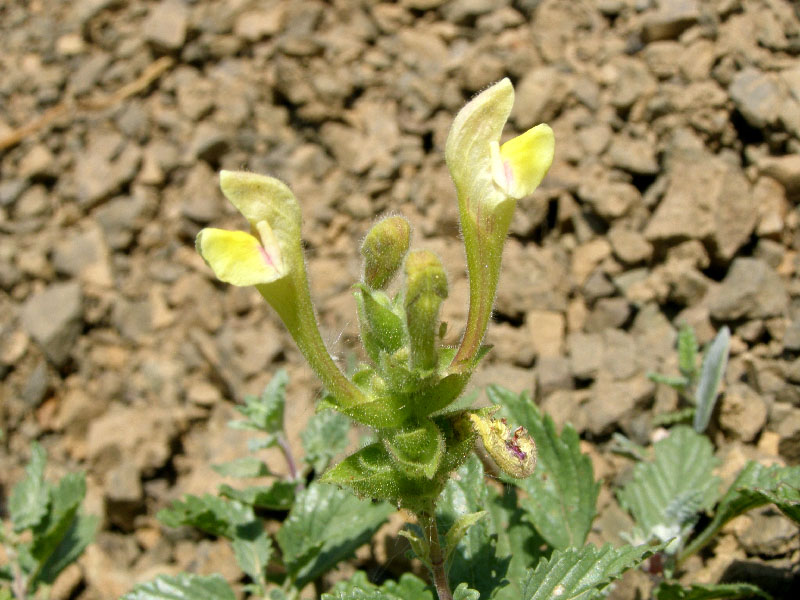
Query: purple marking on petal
{"points": [[515, 450], [509, 173], [265, 255]]}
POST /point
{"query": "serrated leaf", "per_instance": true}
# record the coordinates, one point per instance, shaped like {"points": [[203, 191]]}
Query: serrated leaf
{"points": [[687, 352], [562, 493], [419, 545], [456, 533], [751, 489], [60, 535], [409, 587], [580, 572], [368, 472], [683, 415], [76, 538], [279, 495], [475, 560], [29, 498], [265, 412], [253, 549], [715, 360], [786, 498], [726, 591], [244, 467], [184, 586], [326, 525], [213, 515], [417, 450], [665, 496], [324, 437]]}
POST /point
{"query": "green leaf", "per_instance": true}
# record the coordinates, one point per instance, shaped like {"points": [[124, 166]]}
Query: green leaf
{"points": [[715, 360], [562, 493], [674, 381], [687, 353], [29, 498], [60, 536], [409, 587], [185, 586], [381, 328], [77, 536], [462, 592], [459, 529], [253, 549], [417, 450], [753, 487], [324, 437], [326, 525], [666, 495], [5, 594], [726, 591], [368, 472], [211, 514], [786, 498], [265, 413], [475, 560], [247, 466], [580, 572], [683, 415], [279, 495]]}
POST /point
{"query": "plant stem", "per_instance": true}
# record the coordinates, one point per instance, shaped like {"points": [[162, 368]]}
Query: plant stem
{"points": [[437, 559], [283, 444]]}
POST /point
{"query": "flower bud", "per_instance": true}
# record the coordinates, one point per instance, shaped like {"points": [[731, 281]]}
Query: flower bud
{"points": [[426, 287], [514, 452], [383, 250]]}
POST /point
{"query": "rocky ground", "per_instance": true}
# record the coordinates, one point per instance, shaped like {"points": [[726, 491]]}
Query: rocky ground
{"points": [[673, 199]]}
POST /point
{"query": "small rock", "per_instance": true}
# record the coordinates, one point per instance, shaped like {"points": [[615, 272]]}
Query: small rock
{"points": [[84, 254], [119, 219], [633, 155], [613, 402], [620, 354], [629, 246], [256, 24], [553, 373], [539, 96], [546, 331], [743, 413], [585, 354], [98, 177], [670, 20], [209, 143], [38, 162], [53, 319], [757, 95], [608, 313], [166, 24], [36, 386], [611, 199], [201, 202], [791, 338], [587, 256], [751, 290], [785, 169], [203, 393], [769, 533]]}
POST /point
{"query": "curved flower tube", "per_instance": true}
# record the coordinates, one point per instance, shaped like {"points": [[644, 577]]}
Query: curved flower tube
{"points": [[271, 259], [489, 178]]}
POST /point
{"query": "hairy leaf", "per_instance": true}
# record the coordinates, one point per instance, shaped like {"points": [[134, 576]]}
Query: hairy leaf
{"points": [[724, 591], [324, 437], [666, 495], [475, 560], [462, 592], [326, 525], [185, 586], [358, 587], [244, 467], [213, 515], [580, 572], [562, 493], [265, 412], [753, 487], [29, 498], [279, 495], [68, 548], [715, 360], [253, 549], [678, 382]]}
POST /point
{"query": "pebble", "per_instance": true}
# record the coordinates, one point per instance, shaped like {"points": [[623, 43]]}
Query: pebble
{"points": [[52, 318], [166, 25], [751, 289]]}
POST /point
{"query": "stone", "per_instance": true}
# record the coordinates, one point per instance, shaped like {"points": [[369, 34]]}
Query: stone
{"points": [[124, 495], [791, 338], [769, 533], [36, 386], [705, 199], [553, 373], [785, 169], [119, 219], [511, 344], [630, 246], [587, 256], [254, 25], [633, 155], [209, 143], [585, 354], [38, 162], [620, 354], [546, 331], [751, 289], [85, 255], [608, 313], [99, 176], [757, 96], [53, 317], [610, 199], [166, 25], [203, 393], [200, 201], [613, 402], [539, 96], [742, 412], [670, 20]]}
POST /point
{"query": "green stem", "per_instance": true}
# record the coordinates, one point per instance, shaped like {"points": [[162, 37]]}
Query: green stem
{"points": [[428, 522], [699, 542]]}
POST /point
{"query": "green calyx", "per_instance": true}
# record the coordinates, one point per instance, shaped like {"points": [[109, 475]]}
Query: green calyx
{"points": [[383, 250]]}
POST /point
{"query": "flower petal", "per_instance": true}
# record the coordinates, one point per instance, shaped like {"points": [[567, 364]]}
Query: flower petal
{"points": [[520, 164], [261, 198], [237, 257]]}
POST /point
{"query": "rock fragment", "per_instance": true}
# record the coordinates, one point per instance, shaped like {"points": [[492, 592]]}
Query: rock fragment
{"points": [[166, 25], [53, 319], [751, 289]]}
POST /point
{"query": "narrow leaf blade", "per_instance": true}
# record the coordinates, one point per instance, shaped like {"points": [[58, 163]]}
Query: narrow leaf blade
{"points": [[715, 360]]}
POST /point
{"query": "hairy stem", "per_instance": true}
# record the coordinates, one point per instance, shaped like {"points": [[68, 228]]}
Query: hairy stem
{"points": [[291, 465], [437, 558]]}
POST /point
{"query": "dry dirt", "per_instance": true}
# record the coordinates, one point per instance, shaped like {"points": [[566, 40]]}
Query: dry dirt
{"points": [[673, 199]]}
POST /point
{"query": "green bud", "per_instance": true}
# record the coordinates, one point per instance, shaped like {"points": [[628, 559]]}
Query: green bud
{"points": [[383, 250], [426, 287], [381, 328]]}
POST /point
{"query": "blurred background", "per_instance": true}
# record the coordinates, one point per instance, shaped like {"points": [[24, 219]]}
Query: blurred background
{"points": [[672, 199]]}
